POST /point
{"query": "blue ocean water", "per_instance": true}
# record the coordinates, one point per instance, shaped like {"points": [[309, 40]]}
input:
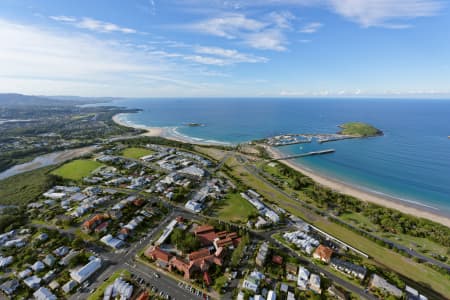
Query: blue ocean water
{"points": [[411, 161]]}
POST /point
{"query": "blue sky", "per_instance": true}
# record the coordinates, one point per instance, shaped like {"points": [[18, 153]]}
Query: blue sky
{"points": [[290, 48]]}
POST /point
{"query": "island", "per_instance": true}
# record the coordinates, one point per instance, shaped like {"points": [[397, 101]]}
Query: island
{"points": [[359, 129], [195, 124]]}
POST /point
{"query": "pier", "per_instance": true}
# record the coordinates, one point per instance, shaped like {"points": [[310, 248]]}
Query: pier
{"points": [[321, 152]]}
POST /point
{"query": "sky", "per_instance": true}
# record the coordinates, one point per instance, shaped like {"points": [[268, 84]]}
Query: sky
{"points": [[226, 48]]}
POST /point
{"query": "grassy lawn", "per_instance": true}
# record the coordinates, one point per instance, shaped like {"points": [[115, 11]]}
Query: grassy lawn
{"points": [[234, 208], [77, 169], [25, 187], [136, 153], [98, 294]]}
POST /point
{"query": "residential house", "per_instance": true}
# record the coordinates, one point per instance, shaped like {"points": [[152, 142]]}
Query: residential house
{"points": [[252, 281], [262, 254], [303, 277], [323, 253], [69, 286], [271, 295], [9, 287], [314, 283], [87, 270], [44, 294], [33, 282], [333, 291], [38, 266], [49, 260], [349, 268], [380, 283]]}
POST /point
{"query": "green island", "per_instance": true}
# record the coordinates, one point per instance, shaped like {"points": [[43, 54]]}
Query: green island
{"points": [[359, 129]]}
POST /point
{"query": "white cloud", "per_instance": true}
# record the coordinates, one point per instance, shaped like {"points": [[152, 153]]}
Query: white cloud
{"points": [[270, 39], [311, 27], [282, 19], [229, 25], [93, 24], [367, 13], [263, 35], [42, 61], [63, 18], [382, 12], [230, 56]]}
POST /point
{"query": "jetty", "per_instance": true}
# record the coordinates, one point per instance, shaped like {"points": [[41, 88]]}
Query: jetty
{"points": [[312, 153]]}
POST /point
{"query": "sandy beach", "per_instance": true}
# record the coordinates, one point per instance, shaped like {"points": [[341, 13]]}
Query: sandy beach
{"points": [[341, 187], [170, 133], [151, 131]]}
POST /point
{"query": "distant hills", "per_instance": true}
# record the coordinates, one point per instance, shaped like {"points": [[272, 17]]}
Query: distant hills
{"points": [[17, 100]]}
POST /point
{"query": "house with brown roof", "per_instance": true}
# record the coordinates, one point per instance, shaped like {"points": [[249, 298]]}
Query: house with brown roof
{"points": [[198, 254], [291, 268], [160, 256], [93, 222], [323, 253], [276, 259]]}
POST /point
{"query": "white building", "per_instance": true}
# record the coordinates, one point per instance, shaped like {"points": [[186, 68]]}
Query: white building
{"points": [[38, 266], [271, 215], [118, 288], [271, 295], [314, 283], [252, 281], [303, 277], [5, 261], [381, 283], [112, 242], [193, 206], [193, 171], [167, 231], [33, 282], [86, 271], [44, 294]]}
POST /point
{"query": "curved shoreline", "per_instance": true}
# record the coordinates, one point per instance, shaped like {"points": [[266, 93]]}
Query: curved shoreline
{"points": [[170, 133], [411, 208], [404, 206]]}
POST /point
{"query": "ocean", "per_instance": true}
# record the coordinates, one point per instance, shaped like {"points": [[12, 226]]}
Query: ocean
{"points": [[410, 162]]}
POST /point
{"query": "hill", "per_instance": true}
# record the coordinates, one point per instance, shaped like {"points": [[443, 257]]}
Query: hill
{"points": [[359, 129]]}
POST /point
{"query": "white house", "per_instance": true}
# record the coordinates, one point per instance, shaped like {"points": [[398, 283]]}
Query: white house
{"points": [[44, 294], [86, 271]]}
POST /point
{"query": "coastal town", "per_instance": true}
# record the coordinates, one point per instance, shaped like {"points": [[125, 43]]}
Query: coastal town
{"points": [[141, 220], [224, 150]]}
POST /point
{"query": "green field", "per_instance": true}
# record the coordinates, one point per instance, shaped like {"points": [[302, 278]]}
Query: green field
{"points": [[136, 153], [77, 169], [25, 187], [359, 129], [234, 208], [98, 294]]}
